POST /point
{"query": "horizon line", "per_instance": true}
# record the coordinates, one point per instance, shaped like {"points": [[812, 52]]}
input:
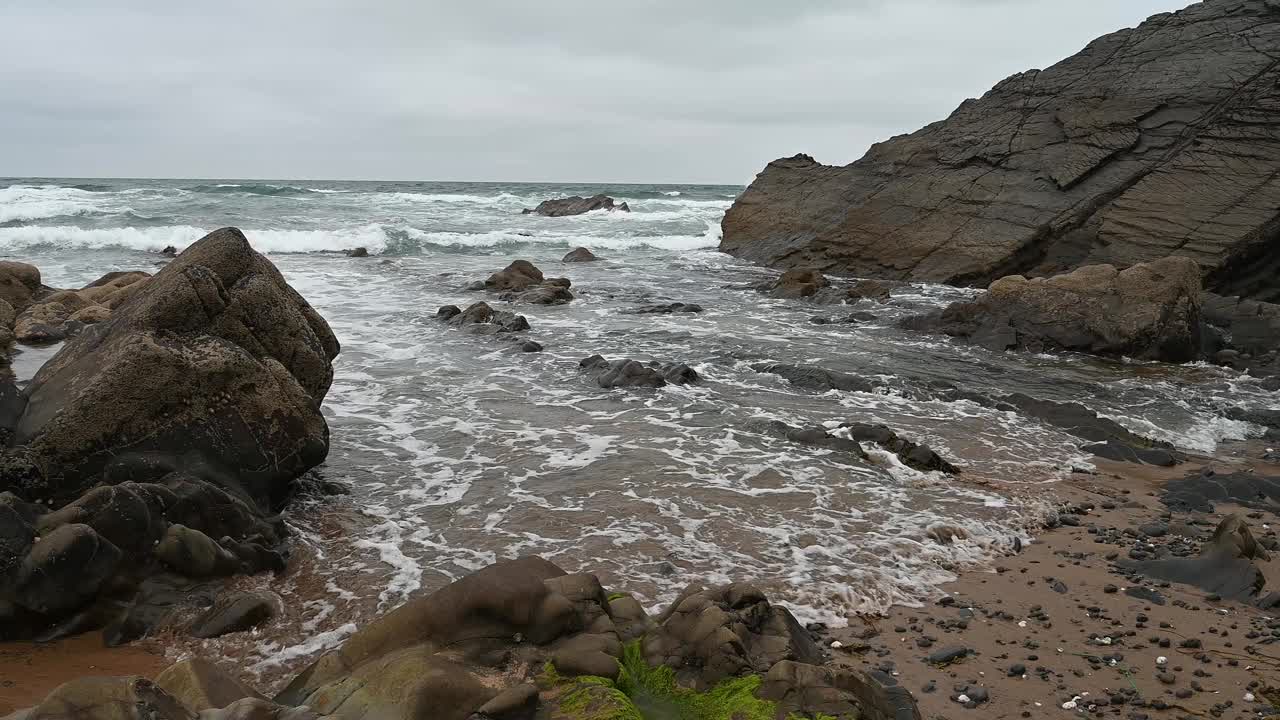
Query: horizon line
{"points": [[371, 180]]}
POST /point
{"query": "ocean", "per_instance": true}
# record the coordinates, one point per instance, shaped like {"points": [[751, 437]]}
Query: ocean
{"points": [[460, 451]]}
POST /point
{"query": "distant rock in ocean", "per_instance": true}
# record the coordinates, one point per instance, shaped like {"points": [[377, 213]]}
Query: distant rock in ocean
{"points": [[1154, 141], [576, 205]]}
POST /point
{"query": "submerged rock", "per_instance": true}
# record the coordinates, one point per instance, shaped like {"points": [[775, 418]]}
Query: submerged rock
{"points": [[575, 205], [1146, 143], [632, 373], [480, 319], [1149, 311], [667, 309], [917, 457]]}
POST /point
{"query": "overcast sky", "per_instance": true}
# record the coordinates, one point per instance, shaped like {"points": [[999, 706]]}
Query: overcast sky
{"points": [[556, 90]]}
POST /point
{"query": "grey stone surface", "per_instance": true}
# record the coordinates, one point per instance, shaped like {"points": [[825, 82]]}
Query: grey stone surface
{"points": [[1153, 141]]}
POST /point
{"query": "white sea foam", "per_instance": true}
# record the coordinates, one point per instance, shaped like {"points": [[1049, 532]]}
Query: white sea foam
{"points": [[152, 239], [32, 202]]}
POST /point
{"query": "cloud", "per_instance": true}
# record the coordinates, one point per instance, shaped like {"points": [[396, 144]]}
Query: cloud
{"points": [[568, 90]]}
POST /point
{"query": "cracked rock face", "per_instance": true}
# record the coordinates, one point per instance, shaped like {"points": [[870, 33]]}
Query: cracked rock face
{"points": [[1154, 141]]}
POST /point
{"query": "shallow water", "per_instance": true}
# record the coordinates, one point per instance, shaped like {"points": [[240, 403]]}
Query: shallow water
{"points": [[461, 451]]}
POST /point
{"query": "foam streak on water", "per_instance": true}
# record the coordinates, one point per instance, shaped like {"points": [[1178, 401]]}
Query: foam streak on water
{"points": [[461, 452]]}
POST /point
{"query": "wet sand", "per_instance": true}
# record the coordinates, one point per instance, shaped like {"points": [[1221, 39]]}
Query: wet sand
{"points": [[1054, 626], [28, 671]]}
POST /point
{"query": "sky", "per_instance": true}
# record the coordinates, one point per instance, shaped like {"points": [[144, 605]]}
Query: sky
{"points": [[502, 90]]}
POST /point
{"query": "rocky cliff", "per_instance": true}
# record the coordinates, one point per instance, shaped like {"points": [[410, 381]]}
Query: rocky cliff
{"points": [[1154, 141]]}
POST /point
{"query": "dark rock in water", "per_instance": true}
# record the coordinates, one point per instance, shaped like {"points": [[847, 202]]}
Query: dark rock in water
{"points": [[1102, 158], [576, 205], [579, 255], [522, 282], [358, 252], [1112, 450], [169, 251], [1267, 418], [917, 457], [236, 612], [1082, 422], [1224, 567], [1149, 311], [1253, 329], [531, 347], [481, 319], [1271, 384], [817, 437], [794, 284], [1199, 492], [516, 276], [816, 378], [667, 309], [550, 292], [631, 373], [877, 290]]}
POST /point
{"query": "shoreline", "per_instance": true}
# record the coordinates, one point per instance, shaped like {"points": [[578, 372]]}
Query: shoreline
{"points": [[1041, 609]]}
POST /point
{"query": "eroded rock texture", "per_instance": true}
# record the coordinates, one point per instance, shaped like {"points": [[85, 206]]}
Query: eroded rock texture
{"points": [[1154, 141]]}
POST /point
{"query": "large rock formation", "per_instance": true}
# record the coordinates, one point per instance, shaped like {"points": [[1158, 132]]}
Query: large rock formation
{"points": [[1155, 141], [576, 205], [161, 439], [1149, 311]]}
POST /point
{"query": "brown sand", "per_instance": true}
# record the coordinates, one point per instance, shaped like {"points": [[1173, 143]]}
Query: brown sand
{"points": [[28, 671], [1003, 631]]}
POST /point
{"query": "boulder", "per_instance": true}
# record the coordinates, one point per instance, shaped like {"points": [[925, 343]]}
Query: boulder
{"points": [[632, 373], [359, 252], [917, 457], [1148, 311], [481, 319], [1150, 142], [200, 685], [62, 570], [516, 276], [551, 292], [579, 255], [576, 205], [109, 698], [838, 692], [811, 377], [236, 612], [236, 364], [19, 282], [710, 634], [794, 284]]}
